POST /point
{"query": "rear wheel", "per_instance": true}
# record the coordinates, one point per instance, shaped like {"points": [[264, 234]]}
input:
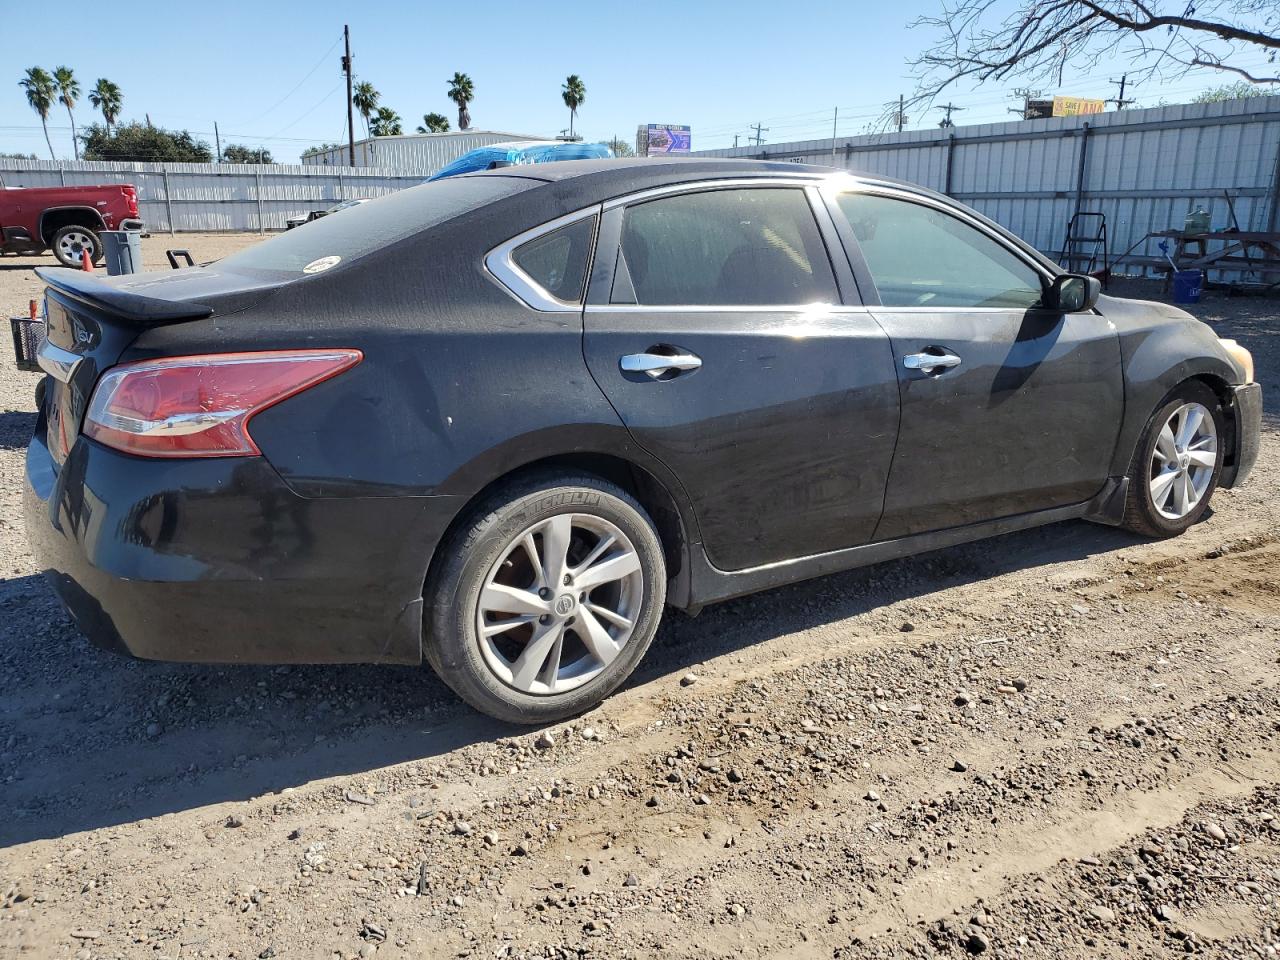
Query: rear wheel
{"points": [[1176, 466], [69, 244], [546, 600]]}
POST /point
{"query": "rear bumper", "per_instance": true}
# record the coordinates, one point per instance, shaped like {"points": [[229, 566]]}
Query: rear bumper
{"points": [[1246, 406], [218, 561]]}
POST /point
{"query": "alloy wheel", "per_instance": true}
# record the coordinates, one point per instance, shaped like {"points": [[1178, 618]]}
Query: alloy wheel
{"points": [[1183, 462], [559, 604], [73, 243]]}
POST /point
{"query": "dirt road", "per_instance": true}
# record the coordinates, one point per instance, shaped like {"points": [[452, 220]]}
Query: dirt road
{"points": [[1062, 743]]}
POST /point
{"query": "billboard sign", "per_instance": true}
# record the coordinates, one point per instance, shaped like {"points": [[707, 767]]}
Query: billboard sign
{"points": [[1076, 106], [664, 138]]}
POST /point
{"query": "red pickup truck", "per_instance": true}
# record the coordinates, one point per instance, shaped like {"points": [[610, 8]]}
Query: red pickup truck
{"points": [[65, 220]]}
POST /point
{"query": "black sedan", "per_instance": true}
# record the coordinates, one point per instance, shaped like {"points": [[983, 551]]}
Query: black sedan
{"points": [[500, 421]]}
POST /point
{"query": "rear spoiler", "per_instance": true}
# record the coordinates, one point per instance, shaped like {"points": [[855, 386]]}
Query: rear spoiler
{"points": [[82, 286]]}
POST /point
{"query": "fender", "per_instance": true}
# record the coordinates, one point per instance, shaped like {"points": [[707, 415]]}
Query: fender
{"points": [[1160, 347], [96, 221]]}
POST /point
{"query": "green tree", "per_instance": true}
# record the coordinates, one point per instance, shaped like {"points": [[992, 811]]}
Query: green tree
{"points": [[18, 156], [434, 123], [68, 94], [1240, 90], [137, 141], [107, 98], [386, 123], [238, 153], [620, 147], [574, 93], [321, 148], [364, 97], [462, 91], [41, 90]]}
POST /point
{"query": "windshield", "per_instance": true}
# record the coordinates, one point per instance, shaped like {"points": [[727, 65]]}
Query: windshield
{"points": [[366, 227]]}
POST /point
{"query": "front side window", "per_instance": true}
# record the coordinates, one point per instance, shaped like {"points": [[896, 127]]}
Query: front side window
{"points": [[557, 261], [921, 257], [745, 247]]}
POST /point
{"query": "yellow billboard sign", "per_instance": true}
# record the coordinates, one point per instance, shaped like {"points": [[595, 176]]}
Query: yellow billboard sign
{"points": [[1075, 106]]}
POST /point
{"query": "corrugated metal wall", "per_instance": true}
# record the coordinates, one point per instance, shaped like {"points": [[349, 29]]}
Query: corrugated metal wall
{"points": [[1144, 169], [422, 154], [183, 197]]}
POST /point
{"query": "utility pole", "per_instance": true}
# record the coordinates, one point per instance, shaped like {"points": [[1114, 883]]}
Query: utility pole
{"points": [[346, 68], [835, 120], [902, 112], [758, 130], [946, 121], [735, 141], [1119, 100], [218, 142]]}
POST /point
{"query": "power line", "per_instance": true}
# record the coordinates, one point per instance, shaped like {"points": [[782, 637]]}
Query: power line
{"points": [[299, 84], [757, 138]]}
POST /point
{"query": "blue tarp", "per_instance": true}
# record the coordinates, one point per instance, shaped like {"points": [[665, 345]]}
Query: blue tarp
{"points": [[483, 158]]}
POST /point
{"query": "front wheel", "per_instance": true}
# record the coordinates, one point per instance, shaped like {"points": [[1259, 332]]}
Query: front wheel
{"points": [[547, 598], [1176, 466], [70, 243]]}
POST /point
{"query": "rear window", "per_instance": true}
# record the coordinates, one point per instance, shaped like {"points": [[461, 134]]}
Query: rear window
{"points": [[349, 234]]}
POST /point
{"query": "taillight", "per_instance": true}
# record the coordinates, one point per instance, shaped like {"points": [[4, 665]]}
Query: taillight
{"points": [[131, 200], [201, 406]]}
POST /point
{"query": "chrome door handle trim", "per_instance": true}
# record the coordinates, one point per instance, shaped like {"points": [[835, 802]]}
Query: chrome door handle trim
{"points": [[56, 362], [930, 361], [656, 364]]}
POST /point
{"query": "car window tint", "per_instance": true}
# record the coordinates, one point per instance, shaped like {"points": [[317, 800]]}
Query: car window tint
{"points": [[365, 227], [727, 247], [557, 261], [921, 257]]}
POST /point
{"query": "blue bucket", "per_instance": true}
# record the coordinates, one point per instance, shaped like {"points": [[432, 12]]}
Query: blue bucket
{"points": [[1187, 285]]}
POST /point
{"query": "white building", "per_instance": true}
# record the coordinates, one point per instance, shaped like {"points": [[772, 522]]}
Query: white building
{"points": [[415, 153]]}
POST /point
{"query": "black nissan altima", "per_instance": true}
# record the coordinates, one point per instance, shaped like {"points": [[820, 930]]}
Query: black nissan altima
{"points": [[499, 422]]}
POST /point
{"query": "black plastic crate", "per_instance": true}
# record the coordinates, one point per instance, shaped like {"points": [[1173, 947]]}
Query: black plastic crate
{"points": [[28, 334]]}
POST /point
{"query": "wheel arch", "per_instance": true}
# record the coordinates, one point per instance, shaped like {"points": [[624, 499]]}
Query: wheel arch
{"points": [[54, 219], [659, 495]]}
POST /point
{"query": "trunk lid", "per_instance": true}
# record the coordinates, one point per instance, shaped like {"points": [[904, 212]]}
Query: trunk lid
{"points": [[91, 321]]}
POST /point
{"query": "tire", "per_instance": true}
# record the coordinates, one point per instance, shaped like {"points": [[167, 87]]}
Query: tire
{"points": [[68, 241], [1169, 517], [487, 564]]}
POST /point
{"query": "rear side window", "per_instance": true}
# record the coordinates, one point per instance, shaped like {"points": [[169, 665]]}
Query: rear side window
{"points": [[921, 257], [754, 246], [557, 261], [349, 234]]}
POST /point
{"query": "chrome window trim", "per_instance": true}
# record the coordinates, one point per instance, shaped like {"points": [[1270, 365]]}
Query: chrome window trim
{"points": [[56, 362], [703, 186], [796, 308], [834, 188], [500, 265]]}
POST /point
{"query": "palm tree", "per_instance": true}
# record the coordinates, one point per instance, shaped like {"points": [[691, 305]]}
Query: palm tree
{"points": [[462, 91], [574, 92], [386, 123], [68, 94], [365, 99], [106, 97], [41, 92], [434, 123]]}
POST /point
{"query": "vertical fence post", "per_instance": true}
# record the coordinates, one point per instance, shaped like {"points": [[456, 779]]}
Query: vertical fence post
{"points": [[168, 197], [62, 173], [951, 154], [1273, 216], [1084, 157], [258, 176]]}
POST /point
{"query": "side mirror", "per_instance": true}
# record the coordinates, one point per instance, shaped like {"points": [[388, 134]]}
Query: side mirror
{"points": [[1072, 292]]}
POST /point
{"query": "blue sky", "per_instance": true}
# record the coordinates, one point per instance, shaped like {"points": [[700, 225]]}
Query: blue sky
{"points": [[268, 71]]}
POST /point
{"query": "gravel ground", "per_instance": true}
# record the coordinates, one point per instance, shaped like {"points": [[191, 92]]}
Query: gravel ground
{"points": [[1062, 743]]}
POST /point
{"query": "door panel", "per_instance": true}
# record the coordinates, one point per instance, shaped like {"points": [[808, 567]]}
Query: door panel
{"points": [[782, 437], [1027, 421]]}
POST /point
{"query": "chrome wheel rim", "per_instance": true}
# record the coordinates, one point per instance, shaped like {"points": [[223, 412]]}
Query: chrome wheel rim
{"points": [[560, 604], [1183, 461], [73, 244]]}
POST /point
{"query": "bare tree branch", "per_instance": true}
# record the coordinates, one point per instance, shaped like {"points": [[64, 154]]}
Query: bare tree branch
{"points": [[975, 40]]}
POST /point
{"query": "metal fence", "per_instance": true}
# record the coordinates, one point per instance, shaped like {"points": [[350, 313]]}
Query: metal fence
{"points": [[1144, 169], [185, 197]]}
